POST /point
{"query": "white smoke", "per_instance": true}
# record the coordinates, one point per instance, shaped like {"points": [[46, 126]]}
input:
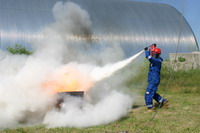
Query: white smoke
{"points": [[100, 73], [79, 113], [24, 100], [20, 91]]}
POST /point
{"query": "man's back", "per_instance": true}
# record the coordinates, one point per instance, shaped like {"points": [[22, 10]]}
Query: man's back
{"points": [[154, 68]]}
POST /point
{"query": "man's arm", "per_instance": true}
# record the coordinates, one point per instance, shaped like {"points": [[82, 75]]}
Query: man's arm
{"points": [[147, 54]]}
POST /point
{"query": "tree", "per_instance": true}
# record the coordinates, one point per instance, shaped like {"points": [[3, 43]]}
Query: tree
{"points": [[19, 49]]}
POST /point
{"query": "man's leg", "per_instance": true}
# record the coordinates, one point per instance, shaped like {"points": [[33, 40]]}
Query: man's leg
{"points": [[149, 98], [158, 98], [162, 102]]}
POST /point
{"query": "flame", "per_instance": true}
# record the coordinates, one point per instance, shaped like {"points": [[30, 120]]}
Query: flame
{"points": [[67, 80]]}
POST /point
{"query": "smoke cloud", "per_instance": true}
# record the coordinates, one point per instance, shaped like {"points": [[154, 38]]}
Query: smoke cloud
{"points": [[26, 93], [71, 18], [79, 113]]}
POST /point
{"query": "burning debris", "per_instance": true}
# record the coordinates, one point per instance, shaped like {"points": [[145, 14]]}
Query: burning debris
{"points": [[62, 95]]}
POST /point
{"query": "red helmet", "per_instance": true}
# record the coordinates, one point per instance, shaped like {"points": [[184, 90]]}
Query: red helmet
{"points": [[157, 51]]}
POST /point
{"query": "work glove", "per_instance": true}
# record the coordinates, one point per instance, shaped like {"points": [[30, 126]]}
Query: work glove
{"points": [[146, 48]]}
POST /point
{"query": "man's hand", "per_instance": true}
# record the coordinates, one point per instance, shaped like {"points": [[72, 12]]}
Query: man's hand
{"points": [[146, 48]]}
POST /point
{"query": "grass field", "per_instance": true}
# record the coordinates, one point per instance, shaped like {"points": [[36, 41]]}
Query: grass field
{"points": [[182, 88]]}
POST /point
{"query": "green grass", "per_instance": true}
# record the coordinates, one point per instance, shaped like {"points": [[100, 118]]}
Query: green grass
{"points": [[182, 116], [181, 81]]}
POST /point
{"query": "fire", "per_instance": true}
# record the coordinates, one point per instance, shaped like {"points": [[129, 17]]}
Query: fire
{"points": [[68, 79]]}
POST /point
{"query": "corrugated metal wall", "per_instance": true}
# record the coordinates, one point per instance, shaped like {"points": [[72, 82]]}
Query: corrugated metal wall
{"points": [[133, 25]]}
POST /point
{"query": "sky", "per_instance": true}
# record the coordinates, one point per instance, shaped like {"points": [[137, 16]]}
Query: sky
{"points": [[190, 10]]}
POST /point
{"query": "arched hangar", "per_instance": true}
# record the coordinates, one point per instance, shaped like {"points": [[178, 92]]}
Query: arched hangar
{"points": [[132, 25]]}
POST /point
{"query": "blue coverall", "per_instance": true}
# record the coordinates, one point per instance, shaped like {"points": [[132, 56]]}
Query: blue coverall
{"points": [[153, 80]]}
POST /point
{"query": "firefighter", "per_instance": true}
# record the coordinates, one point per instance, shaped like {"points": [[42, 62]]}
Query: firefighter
{"points": [[153, 55]]}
